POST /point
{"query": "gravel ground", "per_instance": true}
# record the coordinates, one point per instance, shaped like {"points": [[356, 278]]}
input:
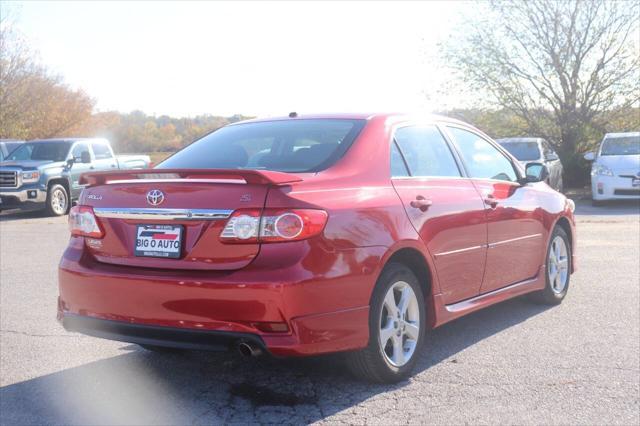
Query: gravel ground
{"points": [[516, 363]]}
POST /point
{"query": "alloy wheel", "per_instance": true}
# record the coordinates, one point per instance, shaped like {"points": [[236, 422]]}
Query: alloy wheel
{"points": [[58, 201], [399, 324], [558, 269]]}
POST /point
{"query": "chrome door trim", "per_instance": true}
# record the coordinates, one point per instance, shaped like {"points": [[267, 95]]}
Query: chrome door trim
{"points": [[161, 214], [462, 250], [497, 243], [477, 300]]}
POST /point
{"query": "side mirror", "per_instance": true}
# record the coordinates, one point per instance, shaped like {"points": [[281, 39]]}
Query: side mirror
{"points": [[536, 172], [70, 162], [85, 157], [590, 156]]}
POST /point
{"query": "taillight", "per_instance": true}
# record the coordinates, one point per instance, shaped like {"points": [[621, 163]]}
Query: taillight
{"points": [[274, 225], [83, 222]]}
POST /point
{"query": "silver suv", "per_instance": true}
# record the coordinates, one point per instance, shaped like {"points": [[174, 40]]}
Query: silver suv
{"points": [[536, 150]]}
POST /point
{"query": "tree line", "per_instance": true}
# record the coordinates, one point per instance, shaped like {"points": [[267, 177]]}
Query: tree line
{"points": [[565, 70]]}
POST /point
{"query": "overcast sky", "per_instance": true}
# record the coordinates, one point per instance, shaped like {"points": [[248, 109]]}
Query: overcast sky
{"points": [[266, 58]]}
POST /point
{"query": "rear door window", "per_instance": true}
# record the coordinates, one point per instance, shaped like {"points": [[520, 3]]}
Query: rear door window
{"points": [[398, 166], [296, 145], [426, 152]]}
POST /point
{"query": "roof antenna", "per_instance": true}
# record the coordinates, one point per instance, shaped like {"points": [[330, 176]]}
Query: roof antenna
{"points": [[293, 114]]}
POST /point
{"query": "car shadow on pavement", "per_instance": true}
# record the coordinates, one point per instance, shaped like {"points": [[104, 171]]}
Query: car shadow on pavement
{"points": [[141, 387]]}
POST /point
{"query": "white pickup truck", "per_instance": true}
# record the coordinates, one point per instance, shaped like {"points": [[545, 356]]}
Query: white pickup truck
{"points": [[43, 174]]}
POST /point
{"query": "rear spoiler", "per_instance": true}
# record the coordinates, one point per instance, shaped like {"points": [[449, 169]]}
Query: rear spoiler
{"points": [[260, 177]]}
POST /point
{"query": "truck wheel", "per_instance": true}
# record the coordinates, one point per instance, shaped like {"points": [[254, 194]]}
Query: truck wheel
{"points": [[57, 200]]}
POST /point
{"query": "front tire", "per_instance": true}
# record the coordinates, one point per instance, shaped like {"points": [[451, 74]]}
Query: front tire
{"points": [[397, 322], [557, 271], [57, 200]]}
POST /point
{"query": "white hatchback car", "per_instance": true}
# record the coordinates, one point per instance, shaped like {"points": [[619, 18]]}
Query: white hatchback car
{"points": [[615, 172]]}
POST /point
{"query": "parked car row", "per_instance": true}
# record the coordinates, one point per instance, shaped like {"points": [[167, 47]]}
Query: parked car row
{"points": [[44, 174]]}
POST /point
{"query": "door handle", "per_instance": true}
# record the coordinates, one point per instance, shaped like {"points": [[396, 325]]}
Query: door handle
{"points": [[491, 201], [421, 203]]}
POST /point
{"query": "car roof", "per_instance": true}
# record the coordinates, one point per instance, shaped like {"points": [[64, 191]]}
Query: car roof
{"points": [[398, 117], [516, 140], [69, 140], [621, 134]]}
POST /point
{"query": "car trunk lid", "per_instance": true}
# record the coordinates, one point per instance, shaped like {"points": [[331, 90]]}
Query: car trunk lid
{"points": [[183, 209]]}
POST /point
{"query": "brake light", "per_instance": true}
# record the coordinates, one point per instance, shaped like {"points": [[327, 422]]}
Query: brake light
{"points": [[83, 222], [249, 226]]}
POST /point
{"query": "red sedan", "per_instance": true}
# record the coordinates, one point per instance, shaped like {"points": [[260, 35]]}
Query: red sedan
{"points": [[308, 235]]}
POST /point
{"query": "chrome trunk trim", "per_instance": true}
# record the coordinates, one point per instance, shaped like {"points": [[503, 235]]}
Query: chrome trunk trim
{"points": [[161, 214]]}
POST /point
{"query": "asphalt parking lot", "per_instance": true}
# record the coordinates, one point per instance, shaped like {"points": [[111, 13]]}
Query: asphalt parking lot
{"points": [[516, 363]]}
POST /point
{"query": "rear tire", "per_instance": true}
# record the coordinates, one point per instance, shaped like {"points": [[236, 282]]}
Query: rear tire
{"points": [[57, 200], [397, 316], [557, 270]]}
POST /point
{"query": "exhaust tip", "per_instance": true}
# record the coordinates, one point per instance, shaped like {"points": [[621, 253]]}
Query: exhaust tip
{"points": [[248, 349]]}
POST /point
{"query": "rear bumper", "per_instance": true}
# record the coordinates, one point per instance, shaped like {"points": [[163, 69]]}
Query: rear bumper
{"points": [[24, 198], [157, 336], [323, 312]]}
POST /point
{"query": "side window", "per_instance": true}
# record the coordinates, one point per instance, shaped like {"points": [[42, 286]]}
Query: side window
{"points": [[398, 168], [426, 151], [78, 149], [482, 159], [101, 150]]}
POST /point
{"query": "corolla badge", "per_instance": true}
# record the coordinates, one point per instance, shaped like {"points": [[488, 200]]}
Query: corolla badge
{"points": [[155, 197]]}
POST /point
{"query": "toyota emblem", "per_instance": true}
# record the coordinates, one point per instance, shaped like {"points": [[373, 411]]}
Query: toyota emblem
{"points": [[155, 197]]}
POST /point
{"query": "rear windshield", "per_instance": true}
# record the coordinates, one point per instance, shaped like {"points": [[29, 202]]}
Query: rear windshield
{"points": [[297, 145], [52, 151], [523, 151], [628, 145]]}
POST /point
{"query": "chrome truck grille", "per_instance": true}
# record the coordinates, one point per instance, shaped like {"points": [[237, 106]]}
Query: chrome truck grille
{"points": [[8, 179]]}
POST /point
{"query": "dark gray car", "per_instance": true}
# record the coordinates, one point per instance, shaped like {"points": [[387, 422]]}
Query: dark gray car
{"points": [[536, 150]]}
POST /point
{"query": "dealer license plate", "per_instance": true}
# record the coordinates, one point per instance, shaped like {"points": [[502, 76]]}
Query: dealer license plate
{"points": [[158, 241]]}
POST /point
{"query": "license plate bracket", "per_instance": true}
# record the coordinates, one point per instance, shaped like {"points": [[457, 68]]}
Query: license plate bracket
{"points": [[158, 241]]}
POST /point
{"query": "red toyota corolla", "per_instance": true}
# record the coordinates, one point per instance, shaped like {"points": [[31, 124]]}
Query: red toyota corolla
{"points": [[308, 235]]}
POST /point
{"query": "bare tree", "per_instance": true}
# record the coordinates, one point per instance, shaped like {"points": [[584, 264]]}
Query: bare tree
{"points": [[561, 66], [34, 103]]}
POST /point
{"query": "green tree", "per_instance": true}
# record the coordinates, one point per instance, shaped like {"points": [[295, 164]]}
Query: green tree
{"points": [[560, 66], [33, 102]]}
